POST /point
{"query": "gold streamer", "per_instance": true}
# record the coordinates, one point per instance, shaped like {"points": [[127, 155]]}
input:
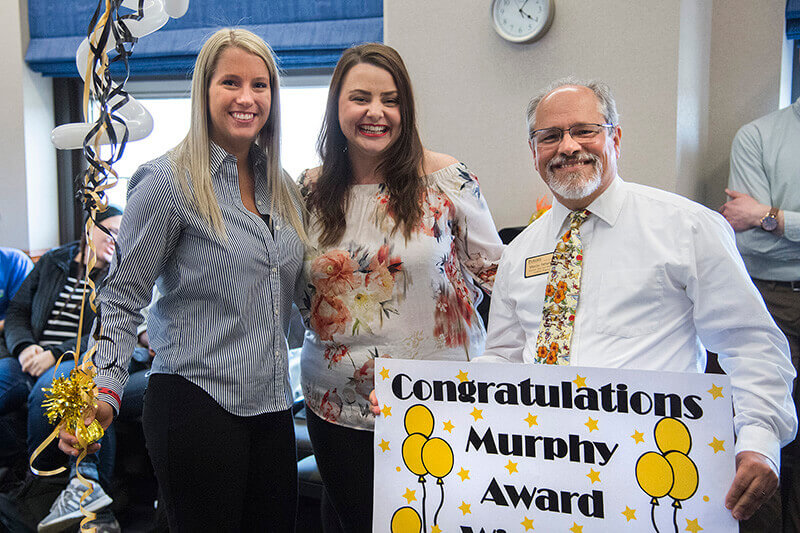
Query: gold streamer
{"points": [[68, 399]]}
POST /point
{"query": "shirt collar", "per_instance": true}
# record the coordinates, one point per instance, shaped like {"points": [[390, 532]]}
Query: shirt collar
{"points": [[606, 207], [217, 155]]}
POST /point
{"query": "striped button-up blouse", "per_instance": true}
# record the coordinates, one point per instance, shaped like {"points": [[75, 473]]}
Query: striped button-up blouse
{"points": [[222, 319]]}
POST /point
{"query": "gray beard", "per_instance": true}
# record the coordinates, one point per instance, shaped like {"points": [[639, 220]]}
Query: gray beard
{"points": [[575, 185]]}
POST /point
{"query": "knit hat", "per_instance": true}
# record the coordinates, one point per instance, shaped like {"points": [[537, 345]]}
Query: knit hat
{"points": [[111, 211]]}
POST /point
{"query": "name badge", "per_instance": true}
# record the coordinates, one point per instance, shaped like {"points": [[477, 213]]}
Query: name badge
{"points": [[538, 265]]}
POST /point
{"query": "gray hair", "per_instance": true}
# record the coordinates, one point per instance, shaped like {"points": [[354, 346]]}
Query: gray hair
{"points": [[606, 103]]}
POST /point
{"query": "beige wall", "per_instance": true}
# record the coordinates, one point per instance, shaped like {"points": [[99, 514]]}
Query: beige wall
{"points": [[686, 75], [28, 201]]}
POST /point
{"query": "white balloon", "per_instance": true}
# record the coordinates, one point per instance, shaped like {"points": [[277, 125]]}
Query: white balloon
{"points": [[155, 13], [176, 8], [136, 117]]}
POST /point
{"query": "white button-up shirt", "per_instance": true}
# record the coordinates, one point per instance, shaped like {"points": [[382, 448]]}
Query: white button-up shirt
{"points": [[661, 279]]}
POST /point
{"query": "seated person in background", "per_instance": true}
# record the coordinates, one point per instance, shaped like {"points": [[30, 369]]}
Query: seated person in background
{"points": [[65, 511], [662, 279], [14, 267], [43, 318]]}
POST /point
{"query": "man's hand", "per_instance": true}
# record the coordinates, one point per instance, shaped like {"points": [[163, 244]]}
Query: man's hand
{"points": [[104, 413], [742, 211], [36, 362], [755, 481], [144, 340], [373, 400]]}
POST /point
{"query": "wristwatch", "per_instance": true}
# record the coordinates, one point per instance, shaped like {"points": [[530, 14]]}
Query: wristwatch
{"points": [[770, 221]]}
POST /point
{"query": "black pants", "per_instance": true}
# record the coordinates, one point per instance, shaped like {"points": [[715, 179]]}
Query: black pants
{"points": [[217, 471], [344, 459], [784, 306]]}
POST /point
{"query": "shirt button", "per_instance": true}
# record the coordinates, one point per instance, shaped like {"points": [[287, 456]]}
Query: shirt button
{"points": [[259, 202], [277, 226], [277, 352], [274, 269]]}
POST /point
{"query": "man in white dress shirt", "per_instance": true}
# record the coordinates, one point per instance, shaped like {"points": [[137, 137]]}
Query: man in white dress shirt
{"points": [[661, 281]]}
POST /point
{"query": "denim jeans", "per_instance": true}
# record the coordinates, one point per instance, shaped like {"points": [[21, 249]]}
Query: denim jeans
{"points": [[14, 385]]}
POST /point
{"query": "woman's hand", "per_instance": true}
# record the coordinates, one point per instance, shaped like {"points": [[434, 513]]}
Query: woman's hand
{"points": [[374, 406], [38, 362], [104, 414]]}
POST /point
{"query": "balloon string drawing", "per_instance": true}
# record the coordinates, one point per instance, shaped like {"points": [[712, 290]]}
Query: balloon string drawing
{"points": [[115, 27], [422, 455], [669, 473]]}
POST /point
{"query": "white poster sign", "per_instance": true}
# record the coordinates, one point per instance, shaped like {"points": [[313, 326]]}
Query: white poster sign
{"points": [[479, 447]]}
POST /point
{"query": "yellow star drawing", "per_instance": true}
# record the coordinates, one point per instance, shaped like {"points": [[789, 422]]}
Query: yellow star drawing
{"points": [[387, 411], [435, 529], [531, 420], [527, 523], [579, 381], [593, 475], [384, 373], [476, 413], [448, 426], [410, 496], [717, 445], [692, 525], [384, 445], [462, 376], [464, 508], [463, 474], [715, 392], [637, 436], [630, 514], [591, 424], [512, 467], [576, 528]]}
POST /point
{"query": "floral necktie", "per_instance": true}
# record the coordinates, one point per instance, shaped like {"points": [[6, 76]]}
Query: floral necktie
{"points": [[561, 295]]}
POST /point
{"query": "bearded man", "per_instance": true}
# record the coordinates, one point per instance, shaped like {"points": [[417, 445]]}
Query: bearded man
{"points": [[649, 279]]}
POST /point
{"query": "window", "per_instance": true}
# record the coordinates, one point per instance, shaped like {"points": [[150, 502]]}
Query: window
{"points": [[302, 109], [796, 71]]}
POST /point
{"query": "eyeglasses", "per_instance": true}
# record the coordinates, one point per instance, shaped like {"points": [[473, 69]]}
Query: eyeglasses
{"points": [[580, 133]]}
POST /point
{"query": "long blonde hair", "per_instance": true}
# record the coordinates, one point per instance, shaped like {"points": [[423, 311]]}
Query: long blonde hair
{"points": [[191, 158]]}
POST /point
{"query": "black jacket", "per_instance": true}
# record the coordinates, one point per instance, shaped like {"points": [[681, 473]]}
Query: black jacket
{"points": [[30, 308]]}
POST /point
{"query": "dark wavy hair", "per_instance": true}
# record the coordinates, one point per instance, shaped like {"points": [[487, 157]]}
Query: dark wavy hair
{"points": [[401, 161]]}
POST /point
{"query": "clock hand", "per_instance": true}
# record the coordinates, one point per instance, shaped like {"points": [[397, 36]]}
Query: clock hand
{"points": [[521, 12]]}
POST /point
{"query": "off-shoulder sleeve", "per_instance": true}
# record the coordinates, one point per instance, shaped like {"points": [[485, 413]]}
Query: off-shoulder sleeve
{"points": [[478, 244]]}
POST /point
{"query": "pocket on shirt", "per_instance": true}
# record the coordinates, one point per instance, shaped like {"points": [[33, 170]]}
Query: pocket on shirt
{"points": [[630, 301]]}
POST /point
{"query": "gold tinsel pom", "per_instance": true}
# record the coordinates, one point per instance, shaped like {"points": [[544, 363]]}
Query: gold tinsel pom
{"points": [[67, 400]]}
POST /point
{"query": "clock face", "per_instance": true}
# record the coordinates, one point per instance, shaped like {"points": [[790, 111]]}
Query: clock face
{"points": [[522, 21]]}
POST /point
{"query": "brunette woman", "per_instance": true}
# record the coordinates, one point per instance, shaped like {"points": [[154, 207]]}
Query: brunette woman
{"points": [[400, 237]]}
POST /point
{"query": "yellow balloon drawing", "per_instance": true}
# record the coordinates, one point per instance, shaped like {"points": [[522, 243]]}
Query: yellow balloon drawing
{"points": [[437, 457], [654, 474], [672, 435], [685, 473], [419, 419], [406, 520], [412, 453]]}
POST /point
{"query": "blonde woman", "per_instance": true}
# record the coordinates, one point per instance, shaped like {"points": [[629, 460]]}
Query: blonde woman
{"points": [[216, 223]]}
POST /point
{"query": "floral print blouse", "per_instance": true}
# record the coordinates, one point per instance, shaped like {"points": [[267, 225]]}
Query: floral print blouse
{"points": [[377, 295]]}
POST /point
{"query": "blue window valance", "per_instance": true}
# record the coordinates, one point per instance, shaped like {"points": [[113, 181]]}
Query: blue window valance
{"points": [[793, 19], [305, 34]]}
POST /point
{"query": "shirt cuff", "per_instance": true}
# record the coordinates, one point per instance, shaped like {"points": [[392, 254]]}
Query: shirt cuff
{"points": [[761, 440], [110, 391], [791, 225]]}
